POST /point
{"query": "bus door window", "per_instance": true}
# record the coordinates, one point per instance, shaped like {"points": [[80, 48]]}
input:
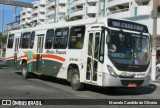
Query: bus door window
{"points": [[16, 45], [40, 40], [89, 66], [93, 56], [96, 55], [16, 51], [40, 44]]}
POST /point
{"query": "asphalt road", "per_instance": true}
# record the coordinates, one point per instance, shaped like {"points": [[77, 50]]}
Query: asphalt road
{"points": [[13, 86]]}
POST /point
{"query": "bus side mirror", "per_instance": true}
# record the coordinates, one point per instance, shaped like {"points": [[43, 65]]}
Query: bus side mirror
{"points": [[107, 39]]}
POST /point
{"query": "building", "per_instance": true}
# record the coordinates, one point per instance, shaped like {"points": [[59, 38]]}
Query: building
{"points": [[82, 9], [135, 10], [33, 16], [56, 10], [25, 16], [38, 12]]}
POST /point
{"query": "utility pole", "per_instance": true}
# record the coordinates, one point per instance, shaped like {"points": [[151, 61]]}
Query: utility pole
{"points": [[15, 12], [55, 12], [3, 18], [154, 16], [69, 10], [2, 30]]}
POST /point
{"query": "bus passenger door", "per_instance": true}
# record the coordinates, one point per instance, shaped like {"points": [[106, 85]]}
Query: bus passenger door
{"points": [[16, 50], [39, 50], [93, 56]]}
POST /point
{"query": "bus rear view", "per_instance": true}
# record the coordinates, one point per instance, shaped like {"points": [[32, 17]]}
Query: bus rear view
{"points": [[127, 58]]}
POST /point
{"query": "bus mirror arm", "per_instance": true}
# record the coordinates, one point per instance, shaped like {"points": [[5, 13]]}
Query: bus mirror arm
{"points": [[107, 29], [108, 34], [150, 40], [107, 39]]}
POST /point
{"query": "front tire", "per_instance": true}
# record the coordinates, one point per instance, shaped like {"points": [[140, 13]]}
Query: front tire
{"points": [[75, 80], [25, 73]]}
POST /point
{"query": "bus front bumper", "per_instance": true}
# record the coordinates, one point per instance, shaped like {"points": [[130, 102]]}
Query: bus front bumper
{"points": [[112, 81]]}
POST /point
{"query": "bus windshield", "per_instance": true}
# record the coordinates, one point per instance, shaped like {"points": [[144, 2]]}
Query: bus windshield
{"points": [[128, 48]]}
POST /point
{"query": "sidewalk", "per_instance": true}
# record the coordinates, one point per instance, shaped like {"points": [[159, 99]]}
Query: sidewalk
{"points": [[157, 81], [158, 75]]}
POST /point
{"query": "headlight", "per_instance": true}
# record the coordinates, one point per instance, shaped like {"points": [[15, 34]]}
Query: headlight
{"points": [[111, 71]]}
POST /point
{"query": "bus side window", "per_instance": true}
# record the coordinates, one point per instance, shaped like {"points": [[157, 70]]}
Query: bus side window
{"points": [[32, 39], [49, 39], [76, 38], [25, 40], [10, 41], [102, 44], [61, 38]]}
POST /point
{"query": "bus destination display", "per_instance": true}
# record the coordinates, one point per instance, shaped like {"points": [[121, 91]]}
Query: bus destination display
{"points": [[127, 25]]}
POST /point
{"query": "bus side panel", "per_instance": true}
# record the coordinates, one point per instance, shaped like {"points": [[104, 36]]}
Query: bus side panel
{"points": [[51, 67], [10, 54], [10, 63], [33, 66], [9, 58], [18, 66]]}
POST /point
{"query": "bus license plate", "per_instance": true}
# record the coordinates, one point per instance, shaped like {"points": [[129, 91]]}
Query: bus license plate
{"points": [[134, 85]]}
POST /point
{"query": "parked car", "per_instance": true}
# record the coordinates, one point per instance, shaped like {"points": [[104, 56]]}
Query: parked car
{"points": [[158, 67]]}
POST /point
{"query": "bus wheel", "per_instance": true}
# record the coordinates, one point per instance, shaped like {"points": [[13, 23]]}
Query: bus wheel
{"points": [[75, 80], [25, 73]]}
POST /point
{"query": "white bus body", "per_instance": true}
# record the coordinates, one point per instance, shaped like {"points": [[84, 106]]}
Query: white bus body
{"points": [[84, 51]]}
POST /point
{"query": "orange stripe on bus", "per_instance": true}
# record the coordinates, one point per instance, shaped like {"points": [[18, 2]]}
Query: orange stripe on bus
{"points": [[21, 57], [53, 56], [10, 58]]}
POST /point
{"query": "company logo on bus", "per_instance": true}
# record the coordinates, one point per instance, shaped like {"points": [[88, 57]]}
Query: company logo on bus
{"points": [[127, 74], [55, 52]]}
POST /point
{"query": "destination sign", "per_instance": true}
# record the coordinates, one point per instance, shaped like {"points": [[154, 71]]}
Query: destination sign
{"points": [[127, 25]]}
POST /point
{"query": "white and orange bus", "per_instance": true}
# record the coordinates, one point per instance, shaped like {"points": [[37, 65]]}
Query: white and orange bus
{"points": [[97, 51]]}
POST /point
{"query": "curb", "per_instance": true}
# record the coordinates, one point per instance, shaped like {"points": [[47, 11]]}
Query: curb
{"points": [[155, 82]]}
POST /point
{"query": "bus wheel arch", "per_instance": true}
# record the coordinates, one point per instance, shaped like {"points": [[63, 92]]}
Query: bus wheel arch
{"points": [[73, 76], [23, 61], [70, 69]]}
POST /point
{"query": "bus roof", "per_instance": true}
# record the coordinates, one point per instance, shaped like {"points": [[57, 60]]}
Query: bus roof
{"points": [[61, 24]]}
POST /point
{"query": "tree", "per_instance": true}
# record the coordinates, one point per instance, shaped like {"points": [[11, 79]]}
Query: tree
{"points": [[74, 18], [67, 18], [3, 40]]}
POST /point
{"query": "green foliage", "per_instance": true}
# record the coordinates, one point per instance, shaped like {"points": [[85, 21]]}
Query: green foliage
{"points": [[31, 24], [67, 18], [3, 40], [74, 18], [15, 28]]}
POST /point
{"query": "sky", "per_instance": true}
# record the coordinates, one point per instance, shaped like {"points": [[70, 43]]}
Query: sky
{"points": [[9, 12]]}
